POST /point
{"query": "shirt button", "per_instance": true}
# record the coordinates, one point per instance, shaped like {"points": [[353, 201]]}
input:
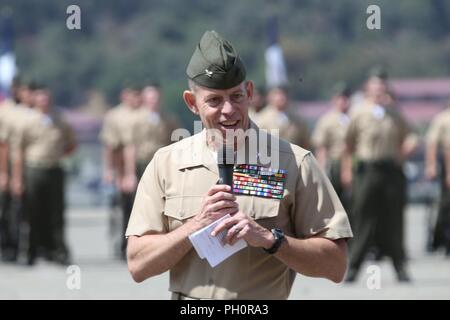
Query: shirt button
{"points": [[181, 213], [210, 282]]}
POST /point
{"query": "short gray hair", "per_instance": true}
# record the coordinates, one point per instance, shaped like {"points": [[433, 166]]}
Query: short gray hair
{"points": [[192, 85]]}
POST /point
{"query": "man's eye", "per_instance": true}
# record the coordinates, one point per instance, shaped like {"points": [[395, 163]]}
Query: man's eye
{"points": [[238, 97], [213, 102]]}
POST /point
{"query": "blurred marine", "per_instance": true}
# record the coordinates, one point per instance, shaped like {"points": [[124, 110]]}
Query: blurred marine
{"points": [[380, 140], [438, 143], [39, 145]]}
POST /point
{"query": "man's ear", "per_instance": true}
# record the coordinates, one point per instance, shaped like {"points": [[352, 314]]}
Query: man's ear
{"points": [[189, 99], [249, 88]]}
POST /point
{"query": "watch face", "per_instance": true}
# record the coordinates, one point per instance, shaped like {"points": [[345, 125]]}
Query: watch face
{"points": [[278, 233], [279, 237]]}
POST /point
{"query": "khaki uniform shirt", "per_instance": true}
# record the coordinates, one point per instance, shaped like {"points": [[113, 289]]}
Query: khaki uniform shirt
{"points": [[292, 128], [377, 133], [117, 126], [44, 138], [7, 103], [5, 110], [330, 133], [15, 118], [149, 132], [253, 115], [439, 131], [171, 191]]}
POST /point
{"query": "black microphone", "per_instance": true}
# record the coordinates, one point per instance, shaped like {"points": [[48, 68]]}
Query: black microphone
{"points": [[225, 161]]}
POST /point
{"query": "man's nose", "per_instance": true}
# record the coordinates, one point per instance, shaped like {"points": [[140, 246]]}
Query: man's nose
{"points": [[227, 108]]}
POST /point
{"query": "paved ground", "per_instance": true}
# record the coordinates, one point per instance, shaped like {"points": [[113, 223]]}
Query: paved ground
{"points": [[103, 277]]}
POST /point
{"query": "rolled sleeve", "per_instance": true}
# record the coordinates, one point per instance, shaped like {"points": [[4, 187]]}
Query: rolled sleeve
{"points": [[319, 211], [434, 132], [319, 137], [148, 209], [108, 134], [351, 135]]}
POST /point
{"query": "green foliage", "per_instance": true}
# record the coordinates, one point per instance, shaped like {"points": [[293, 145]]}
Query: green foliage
{"points": [[323, 42]]}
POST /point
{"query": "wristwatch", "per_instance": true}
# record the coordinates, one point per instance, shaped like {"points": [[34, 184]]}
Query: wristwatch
{"points": [[279, 238]]}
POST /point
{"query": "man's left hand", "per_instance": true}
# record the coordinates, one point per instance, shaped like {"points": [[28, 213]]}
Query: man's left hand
{"points": [[241, 226]]}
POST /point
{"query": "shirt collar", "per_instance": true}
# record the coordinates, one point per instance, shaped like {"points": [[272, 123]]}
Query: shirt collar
{"points": [[196, 152]]}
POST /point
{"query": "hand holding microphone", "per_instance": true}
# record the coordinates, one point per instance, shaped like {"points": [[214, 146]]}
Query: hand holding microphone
{"points": [[225, 161], [220, 200]]}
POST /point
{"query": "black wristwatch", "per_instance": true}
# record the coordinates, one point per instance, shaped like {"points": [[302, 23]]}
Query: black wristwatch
{"points": [[279, 238]]}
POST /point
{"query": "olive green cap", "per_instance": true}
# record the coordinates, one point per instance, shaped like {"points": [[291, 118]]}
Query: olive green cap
{"points": [[215, 63], [131, 84], [378, 72], [38, 85], [341, 89]]}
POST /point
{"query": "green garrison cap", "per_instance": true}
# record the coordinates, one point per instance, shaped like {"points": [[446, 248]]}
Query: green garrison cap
{"points": [[215, 63], [378, 72], [131, 84], [38, 85], [341, 89]]}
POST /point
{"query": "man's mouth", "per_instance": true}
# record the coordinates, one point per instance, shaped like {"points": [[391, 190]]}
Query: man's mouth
{"points": [[229, 124]]}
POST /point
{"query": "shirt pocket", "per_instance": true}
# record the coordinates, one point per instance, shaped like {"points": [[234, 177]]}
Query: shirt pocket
{"points": [[264, 210], [179, 209]]}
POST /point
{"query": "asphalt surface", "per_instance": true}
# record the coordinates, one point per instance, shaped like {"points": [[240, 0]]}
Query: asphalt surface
{"points": [[98, 274]]}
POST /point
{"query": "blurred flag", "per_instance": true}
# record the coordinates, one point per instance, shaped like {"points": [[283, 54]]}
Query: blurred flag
{"points": [[7, 58], [275, 66]]}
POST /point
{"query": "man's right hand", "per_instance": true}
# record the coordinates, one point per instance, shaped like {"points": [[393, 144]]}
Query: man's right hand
{"points": [[108, 176], [218, 202], [16, 187], [346, 178], [128, 184], [4, 182], [430, 172]]}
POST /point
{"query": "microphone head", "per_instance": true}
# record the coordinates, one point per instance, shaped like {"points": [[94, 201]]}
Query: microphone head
{"points": [[225, 155]]}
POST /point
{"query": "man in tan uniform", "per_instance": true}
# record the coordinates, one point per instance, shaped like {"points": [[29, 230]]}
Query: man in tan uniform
{"points": [[329, 139], [38, 147], [7, 246], [110, 136], [438, 142], [297, 224], [276, 115], [380, 139], [117, 127], [151, 130], [258, 103], [11, 119]]}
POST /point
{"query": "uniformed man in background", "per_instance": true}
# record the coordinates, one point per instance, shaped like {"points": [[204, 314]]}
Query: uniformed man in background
{"points": [[258, 103], [13, 213], [295, 225], [44, 139], [113, 170], [151, 129], [329, 139], [7, 243], [117, 126], [438, 150], [380, 139], [277, 115]]}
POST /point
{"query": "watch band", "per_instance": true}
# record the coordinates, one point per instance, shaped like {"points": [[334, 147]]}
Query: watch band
{"points": [[279, 238]]}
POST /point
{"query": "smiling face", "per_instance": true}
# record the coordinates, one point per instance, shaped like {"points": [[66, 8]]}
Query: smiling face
{"points": [[221, 109]]}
